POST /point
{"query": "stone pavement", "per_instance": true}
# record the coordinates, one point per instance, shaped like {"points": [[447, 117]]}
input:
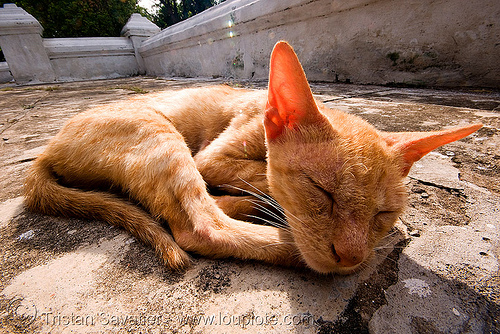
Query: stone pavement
{"points": [[437, 273]]}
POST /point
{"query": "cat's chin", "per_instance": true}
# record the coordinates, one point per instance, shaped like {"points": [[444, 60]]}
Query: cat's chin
{"points": [[327, 267]]}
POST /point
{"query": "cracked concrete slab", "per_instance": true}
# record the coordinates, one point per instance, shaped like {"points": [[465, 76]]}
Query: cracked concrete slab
{"points": [[438, 170], [437, 272], [10, 209]]}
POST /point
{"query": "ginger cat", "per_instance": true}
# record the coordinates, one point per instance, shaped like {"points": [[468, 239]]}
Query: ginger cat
{"points": [[337, 178]]}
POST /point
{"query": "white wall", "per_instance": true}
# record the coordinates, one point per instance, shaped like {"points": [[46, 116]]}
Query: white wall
{"points": [[422, 42], [91, 58], [416, 42], [5, 75]]}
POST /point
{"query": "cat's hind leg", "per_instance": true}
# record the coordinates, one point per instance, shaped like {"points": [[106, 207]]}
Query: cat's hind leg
{"points": [[172, 188]]}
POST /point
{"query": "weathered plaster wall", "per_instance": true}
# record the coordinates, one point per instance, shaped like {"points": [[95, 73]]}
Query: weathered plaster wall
{"points": [[5, 75], [422, 42], [91, 58], [415, 42], [32, 59]]}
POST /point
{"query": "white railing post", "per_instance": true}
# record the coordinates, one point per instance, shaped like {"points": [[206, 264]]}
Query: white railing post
{"points": [[138, 28], [22, 46]]}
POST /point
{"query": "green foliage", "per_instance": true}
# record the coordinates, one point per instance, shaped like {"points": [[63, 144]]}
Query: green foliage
{"points": [[96, 18], [193, 7], [173, 11], [79, 18], [168, 13]]}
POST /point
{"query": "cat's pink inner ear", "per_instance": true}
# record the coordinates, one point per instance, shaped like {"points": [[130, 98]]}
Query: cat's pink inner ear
{"points": [[290, 100], [414, 145], [273, 123]]}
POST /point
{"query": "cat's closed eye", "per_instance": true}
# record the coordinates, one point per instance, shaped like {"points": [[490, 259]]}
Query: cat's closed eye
{"points": [[385, 214], [326, 196], [382, 218]]}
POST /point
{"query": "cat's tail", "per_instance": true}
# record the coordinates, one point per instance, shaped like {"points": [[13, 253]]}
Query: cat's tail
{"points": [[45, 195]]}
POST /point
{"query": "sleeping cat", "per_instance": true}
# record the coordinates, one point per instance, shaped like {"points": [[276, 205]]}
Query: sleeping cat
{"points": [[338, 180]]}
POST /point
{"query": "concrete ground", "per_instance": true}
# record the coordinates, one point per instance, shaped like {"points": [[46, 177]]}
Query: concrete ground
{"points": [[438, 272]]}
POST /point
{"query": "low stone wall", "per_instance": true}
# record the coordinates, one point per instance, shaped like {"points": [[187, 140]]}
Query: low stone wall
{"points": [[417, 42], [5, 75], [32, 59], [91, 58]]}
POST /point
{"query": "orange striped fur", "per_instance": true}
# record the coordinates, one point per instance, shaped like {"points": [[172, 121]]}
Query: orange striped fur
{"points": [[338, 179]]}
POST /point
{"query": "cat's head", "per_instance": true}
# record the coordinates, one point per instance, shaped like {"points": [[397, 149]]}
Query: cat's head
{"points": [[339, 180]]}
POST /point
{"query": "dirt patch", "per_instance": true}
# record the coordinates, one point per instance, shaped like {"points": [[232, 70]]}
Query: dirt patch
{"points": [[214, 278]]}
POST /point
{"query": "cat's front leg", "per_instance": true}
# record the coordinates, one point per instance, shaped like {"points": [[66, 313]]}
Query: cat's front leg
{"points": [[235, 162], [237, 207], [171, 187], [233, 238], [260, 210], [205, 229]]}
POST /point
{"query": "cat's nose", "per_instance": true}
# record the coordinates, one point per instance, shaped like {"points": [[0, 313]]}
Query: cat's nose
{"points": [[346, 258]]}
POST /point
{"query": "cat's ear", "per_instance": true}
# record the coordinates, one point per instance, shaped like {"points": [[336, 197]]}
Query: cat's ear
{"points": [[290, 100], [412, 146]]}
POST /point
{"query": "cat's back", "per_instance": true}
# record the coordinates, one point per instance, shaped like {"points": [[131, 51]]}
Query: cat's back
{"points": [[201, 114], [198, 114]]}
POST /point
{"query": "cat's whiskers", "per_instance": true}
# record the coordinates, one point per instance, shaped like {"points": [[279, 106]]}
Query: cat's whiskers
{"points": [[266, 199], [386, 258], [390, 244], [384, 247], [280, 221], [388, 236], [367, 264], [271, 201], [267, 211], [371, 262], [372, 265], [270, 222], [263, 196], [390, 247]]}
